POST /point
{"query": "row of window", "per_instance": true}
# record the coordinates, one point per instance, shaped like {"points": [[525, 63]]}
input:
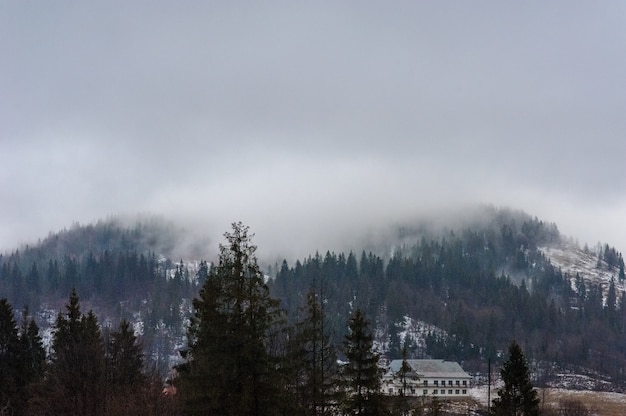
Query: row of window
{"points": [[443, 383], [443, 391], [435, 391]]}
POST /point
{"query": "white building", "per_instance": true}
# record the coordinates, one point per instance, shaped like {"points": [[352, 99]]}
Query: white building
{"points": [[427, 378]]}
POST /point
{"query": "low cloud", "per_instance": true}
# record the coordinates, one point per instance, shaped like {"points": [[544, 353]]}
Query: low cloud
{"points": [[310, 122]]}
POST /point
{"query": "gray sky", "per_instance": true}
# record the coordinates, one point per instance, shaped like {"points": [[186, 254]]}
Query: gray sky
{"points": [[308, 120]]}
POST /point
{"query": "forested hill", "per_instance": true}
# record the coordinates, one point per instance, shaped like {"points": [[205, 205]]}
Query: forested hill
{"points": [[466, 294], [460, 293], [119, 271]]}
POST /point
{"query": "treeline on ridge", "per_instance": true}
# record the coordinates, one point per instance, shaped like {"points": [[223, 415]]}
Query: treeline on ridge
{"points": [[483, 287]]}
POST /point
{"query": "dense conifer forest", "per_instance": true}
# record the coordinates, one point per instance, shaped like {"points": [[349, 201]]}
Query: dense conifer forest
{"points": [[483, 286], [477, 287]]}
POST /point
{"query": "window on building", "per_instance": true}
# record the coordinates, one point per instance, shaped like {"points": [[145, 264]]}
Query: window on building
{"points": [[443, 382], [449, 382], [390, 391], [425, 383], [450, 391], [458, 383], [435, 391], [465, 382], [456, 391], [425, 391], [464, 391], [412, 391], [436, 382]]}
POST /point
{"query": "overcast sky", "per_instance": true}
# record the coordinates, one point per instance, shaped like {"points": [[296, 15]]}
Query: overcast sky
{"points": [[308, 120]]}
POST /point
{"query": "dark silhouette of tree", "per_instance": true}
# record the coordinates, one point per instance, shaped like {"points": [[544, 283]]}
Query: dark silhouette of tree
{"points": [[75, 382], [404, 374], [313, 358], [361, 374], [9, 353], [128, 388], [124, 358], [31, 359], [230, 370], [517, 397]]}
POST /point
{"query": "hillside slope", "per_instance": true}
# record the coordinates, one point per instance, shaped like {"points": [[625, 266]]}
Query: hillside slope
{"points": [[459, 293]]}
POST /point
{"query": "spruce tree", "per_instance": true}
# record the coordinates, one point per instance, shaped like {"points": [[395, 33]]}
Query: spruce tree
{"points": [[124, 358], [32, 352], [229, 368], [75, 383], [404, 374], [9, 352], [517, 397], [314, 359], [127, 386], [31, 361], [361, 374], [22, 359]]}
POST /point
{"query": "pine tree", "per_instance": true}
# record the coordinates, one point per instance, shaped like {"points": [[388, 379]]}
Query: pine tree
{"points": [[127, 386], [32, 351], [124, 358], [31, 360], [404, 374], [361, 374], [517, 397], [75, 383], [9, 353], [229, 368], [314, 359]]}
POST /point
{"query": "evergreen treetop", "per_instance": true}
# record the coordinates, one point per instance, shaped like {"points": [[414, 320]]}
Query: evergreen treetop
{"points": [[230, 369], [517, 397]]}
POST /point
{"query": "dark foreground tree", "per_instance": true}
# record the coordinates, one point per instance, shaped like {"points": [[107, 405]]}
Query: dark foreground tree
{"points": [[517, 397], [31, 361], [361, 374], [407, 377], [9, 350], [124, 359], [75, 382], [312, 360], [127, 386], [229, 368]]}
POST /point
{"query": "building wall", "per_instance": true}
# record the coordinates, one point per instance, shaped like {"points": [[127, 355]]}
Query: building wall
{"points": [[429, 386]]}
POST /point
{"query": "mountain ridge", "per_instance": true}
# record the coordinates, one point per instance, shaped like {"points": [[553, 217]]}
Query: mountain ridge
{"points": [[447, 279]]}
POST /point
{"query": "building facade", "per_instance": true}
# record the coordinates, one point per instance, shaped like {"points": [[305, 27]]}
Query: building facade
{"points": [[426, 378]]}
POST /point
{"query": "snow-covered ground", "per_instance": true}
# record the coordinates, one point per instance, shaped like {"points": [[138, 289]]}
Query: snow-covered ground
{"points": [[572, 260]]}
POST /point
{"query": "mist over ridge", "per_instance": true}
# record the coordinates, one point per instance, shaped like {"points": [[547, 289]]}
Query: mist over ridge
{"points": [[199, 239], [214, 113]]}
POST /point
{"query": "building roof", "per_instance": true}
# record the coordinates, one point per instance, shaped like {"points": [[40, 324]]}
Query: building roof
{"points": [[431, 368]]}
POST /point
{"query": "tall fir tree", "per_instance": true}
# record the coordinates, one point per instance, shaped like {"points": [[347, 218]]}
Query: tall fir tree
{"points": [[31, 361], [128, 388], [517, 397], [22, 359], [124, 358], [9, 354], [32, 351], [361, 375], [229, 368], [314, 358], [75, 383], [406, 375]]}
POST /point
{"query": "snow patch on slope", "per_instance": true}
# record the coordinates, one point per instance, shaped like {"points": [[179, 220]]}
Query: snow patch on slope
{"points": [[572, 260]]}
